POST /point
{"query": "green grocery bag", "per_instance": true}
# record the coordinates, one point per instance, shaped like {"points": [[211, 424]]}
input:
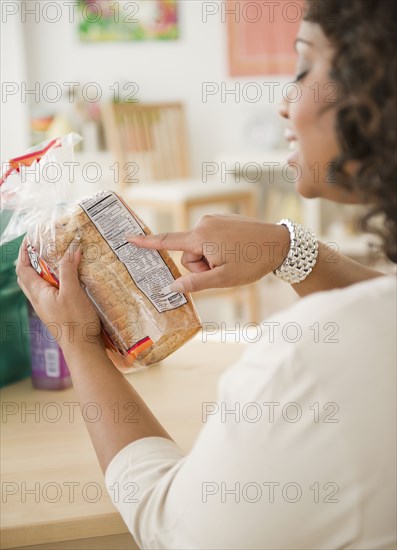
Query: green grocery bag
{"points": [[21, 207], [14, 338]]}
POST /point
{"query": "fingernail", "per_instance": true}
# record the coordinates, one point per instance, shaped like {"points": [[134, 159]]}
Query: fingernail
{"points": [[176, 287], [131, 236], [173, 287]]}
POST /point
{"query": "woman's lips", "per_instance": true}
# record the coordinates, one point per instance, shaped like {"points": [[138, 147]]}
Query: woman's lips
{"points": [[294, 148], [289, 134], [293, 145]]}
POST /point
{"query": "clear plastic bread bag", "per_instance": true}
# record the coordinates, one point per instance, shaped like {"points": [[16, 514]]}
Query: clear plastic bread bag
{"points": [[142, 321]]}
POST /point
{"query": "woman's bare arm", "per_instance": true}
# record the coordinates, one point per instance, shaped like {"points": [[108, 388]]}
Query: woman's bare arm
{"points": [[120, 416], [116, 414], [224, 251], [333, 270]]}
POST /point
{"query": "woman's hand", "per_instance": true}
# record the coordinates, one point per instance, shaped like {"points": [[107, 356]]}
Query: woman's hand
{"points": [[67, 312], [95, 379], [223, 251]]}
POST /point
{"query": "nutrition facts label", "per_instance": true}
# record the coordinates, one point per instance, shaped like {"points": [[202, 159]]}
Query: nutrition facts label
{"points": [[147, 268]]}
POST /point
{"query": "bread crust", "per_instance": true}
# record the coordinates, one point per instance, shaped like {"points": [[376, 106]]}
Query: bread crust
{"points": [[128, 316]]}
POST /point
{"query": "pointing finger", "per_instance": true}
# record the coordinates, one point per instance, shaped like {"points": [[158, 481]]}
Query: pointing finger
{"points": [[163, 241]]}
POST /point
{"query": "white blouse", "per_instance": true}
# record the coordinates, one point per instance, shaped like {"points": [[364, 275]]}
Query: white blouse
{"points": [[300, 450]]}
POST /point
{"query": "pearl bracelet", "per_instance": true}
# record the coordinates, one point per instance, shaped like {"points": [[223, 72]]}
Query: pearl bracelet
{"points": [[302, 255]]}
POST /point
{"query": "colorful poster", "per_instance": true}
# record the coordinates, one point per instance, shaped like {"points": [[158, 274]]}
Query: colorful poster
{"points": [[124, 20]]}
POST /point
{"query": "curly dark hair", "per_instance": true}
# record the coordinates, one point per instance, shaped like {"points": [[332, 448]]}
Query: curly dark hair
{"points": [[363, 33]]}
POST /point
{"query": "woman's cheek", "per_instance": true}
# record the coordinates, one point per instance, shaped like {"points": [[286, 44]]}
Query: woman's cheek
{"points": [[303, 123], [315, 130]]}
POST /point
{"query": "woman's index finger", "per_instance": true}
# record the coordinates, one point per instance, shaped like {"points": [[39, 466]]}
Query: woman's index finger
{"points": [[179, 240]]}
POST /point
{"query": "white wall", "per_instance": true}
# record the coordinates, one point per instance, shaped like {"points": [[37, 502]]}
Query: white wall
{"points": [[173, 70], [14, 129]]}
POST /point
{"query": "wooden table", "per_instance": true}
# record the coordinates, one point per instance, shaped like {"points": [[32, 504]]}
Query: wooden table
{"points": [[53, 493]]}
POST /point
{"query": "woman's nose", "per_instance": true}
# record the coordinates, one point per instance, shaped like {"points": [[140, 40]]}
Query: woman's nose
{"points": [[283, 108]]}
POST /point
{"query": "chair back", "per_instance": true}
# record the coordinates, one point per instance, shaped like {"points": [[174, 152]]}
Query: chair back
{"points": [[149, 141]]}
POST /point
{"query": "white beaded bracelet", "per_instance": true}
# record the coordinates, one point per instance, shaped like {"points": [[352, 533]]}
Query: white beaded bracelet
{"points": [[302, 255]]}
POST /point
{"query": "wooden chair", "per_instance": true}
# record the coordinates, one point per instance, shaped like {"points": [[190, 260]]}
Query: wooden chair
{"points": [[150, 146]]}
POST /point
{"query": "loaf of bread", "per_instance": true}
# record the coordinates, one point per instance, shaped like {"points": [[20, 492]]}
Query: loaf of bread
{"points": [[142, 323]]}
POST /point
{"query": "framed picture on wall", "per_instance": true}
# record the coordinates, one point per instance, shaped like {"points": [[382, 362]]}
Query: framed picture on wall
{"points": [[261, 36], [121, 20]]}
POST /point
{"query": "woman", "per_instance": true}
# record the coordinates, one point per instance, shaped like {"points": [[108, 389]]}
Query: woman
{"points": [[317, 471]]}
